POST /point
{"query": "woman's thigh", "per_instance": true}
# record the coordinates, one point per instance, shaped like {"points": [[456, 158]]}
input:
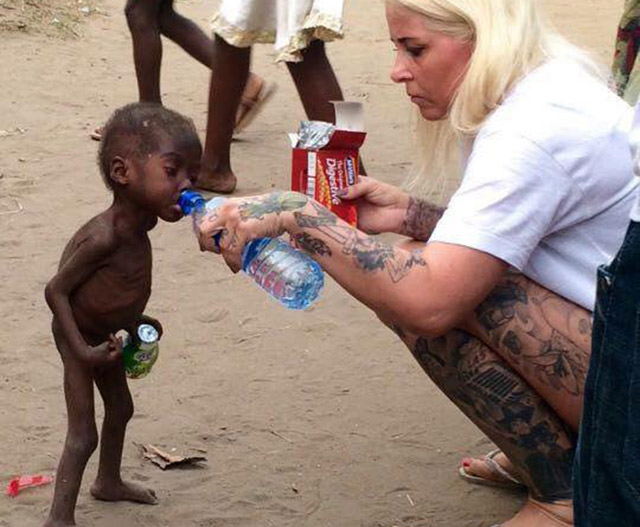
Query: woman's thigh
{"points": [[543, 337]]}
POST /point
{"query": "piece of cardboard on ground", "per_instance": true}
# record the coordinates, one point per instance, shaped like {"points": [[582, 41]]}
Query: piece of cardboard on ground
{"points": [[165, 460]]}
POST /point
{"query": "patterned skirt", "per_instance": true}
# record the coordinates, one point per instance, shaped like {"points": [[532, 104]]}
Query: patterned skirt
{"points": [[290, 24], [626, 69]]}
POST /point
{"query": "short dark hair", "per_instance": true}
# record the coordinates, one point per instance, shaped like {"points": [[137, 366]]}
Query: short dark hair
{"points": [[136, 129]]}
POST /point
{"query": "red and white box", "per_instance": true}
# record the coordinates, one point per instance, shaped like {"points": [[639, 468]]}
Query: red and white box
{"points": [[321, 172]]}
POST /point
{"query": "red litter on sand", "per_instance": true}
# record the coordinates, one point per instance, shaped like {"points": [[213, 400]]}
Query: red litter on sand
{"points": [[24, 482]]}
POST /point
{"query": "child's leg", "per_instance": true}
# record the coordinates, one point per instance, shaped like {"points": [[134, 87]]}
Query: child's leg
{"points": [[142, 17], [317, 84], [118, 409], [81, 441], [230, 73], [186, 34]]}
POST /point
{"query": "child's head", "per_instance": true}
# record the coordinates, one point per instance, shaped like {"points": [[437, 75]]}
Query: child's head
{"points": [[148, 150]]}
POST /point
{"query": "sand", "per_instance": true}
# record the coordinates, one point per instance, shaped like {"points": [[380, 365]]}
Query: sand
{"points": [[307, 419]]}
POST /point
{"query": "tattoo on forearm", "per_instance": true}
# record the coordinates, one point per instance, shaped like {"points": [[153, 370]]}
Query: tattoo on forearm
{"points": [[276, 202], [420, 219], [517, 322], [314, 246], [369, 254]]}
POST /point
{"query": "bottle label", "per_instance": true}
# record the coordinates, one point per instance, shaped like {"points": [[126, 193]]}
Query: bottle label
{"points": [[139, 358]]}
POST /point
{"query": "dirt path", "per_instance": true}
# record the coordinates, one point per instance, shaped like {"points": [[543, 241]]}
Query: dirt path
{"points": [[316, 419]]}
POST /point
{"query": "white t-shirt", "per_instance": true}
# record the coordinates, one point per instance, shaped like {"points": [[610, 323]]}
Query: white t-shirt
{"points": [[548, 186]]}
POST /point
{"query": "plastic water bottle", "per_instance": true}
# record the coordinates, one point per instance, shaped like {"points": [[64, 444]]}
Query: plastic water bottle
{"points": [[291, 276]]}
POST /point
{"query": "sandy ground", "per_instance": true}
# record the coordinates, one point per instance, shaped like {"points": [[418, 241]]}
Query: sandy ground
{"points": [[307, 419]]}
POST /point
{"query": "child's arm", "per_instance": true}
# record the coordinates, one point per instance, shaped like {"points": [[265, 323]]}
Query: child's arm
{"points": [[87, 258]]}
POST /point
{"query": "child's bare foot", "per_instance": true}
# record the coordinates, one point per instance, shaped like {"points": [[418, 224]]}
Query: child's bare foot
{"points": [[221, 182], [537, 514], [123, 491]]}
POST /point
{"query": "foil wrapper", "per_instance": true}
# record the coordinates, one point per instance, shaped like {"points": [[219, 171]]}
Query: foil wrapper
{"points": [[314, 135]]}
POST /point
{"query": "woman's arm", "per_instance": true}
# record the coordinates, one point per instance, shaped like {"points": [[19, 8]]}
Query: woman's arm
{"points": [[427, 292], [385, 208]]}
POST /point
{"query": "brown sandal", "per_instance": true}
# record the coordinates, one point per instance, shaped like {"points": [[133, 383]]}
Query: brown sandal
{"points": [[96, 135], [250, 107]]}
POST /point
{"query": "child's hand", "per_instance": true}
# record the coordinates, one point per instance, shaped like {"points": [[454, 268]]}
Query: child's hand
{"points": [[145, 319], [106, 353]]}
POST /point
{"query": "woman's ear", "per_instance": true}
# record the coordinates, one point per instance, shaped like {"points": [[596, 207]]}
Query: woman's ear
{"points": [[119, 171]]}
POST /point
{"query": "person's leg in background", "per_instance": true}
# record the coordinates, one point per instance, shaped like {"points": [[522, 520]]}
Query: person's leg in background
{"points": [[143, 20], [317, 84], [230, 73]]}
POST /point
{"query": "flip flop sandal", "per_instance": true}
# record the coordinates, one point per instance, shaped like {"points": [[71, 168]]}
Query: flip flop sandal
{"points": [[507, 480], [250, 107], [96, 135]]}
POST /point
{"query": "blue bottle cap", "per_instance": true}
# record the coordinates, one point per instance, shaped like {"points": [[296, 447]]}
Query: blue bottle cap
{"points": [[190, 200]]}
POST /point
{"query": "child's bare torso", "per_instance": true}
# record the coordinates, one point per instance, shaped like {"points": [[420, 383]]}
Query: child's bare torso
{"points": [[115, 295]]}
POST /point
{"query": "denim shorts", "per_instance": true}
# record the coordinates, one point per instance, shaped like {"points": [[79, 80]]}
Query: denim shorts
{"points": [[607, 464]]}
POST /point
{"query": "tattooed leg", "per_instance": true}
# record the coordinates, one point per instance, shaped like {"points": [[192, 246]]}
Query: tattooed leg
{"points": [[503, 406], [544, 337]]}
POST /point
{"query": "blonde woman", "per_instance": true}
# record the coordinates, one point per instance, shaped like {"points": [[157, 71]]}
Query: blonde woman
{"points": [[496, 305]]}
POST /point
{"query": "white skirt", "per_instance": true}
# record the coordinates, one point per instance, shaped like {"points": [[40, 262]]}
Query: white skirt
{"points": [[290, 24]]}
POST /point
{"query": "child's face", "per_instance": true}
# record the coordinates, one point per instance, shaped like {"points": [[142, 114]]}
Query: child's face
{"points": [[160, 178]]}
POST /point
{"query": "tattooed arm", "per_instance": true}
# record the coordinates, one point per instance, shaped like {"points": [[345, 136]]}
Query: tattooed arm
{"points": [[428, 292], [384, 208]]}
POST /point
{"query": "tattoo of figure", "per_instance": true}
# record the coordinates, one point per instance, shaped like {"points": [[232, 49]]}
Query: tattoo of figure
{"points": [[276, 202], [322, 218], [420, 219], [516, 321], [314, 246], [369, 254]]}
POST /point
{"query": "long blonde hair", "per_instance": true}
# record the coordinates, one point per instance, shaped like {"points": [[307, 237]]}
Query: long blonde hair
{"points": [[510, 38]]}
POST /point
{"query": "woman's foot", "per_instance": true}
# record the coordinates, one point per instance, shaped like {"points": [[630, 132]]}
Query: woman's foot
{"points": [[123, 491], [222, 182], [537, 514], [494, 469]]}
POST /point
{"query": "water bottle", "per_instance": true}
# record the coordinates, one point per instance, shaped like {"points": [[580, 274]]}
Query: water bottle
{"points": [[291, 276]]}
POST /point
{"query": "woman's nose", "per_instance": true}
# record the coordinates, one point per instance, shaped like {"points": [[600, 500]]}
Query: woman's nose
{"points": [[399, 71]]}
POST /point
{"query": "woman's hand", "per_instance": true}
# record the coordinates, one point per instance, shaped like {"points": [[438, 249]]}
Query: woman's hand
{"points": [[239, 220], [381, 207]]}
